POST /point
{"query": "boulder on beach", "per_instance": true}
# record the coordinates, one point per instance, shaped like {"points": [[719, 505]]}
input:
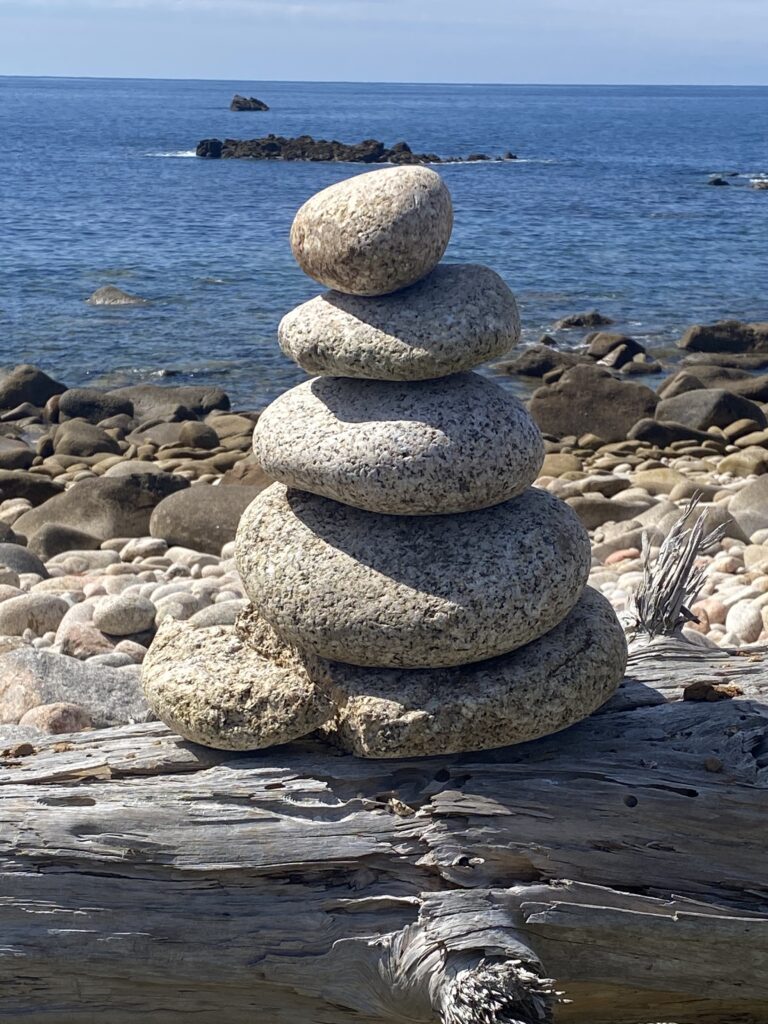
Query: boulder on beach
{"points": [[247, 103], [92, 405], [390, 590], [749, 507], [30, 678], [79, 437], [708, 407], [110, 295], [21, 560], [108, 506], [726, 336], [203, 517], [374, 233], [458, 316], [35, 487], [184, 402], [590, 399], [15, 454], [27, 384], [53, 539]]}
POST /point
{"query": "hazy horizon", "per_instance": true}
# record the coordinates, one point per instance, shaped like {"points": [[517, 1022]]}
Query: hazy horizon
{"points": [[490, 42]]}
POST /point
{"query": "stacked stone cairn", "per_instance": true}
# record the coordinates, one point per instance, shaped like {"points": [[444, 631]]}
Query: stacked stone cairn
{"points": [[411, 593]]}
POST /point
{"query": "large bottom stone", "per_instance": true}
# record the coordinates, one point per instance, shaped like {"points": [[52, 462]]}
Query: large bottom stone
{"points": [[213, 689], [537, 690], [411, 592]]}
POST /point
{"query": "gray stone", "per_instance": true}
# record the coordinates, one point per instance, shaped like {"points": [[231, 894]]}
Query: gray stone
{"points": [[27, 384], [213, 688], [15, 454], [151, 401], [123, 614], [536, 690], [403, 592], [455, 318], [57, 718], [36, 488], [204, 517], [749, 508], [376, 232], [41, 613], [223, 613], [53, 539], [30, 677], [108, 507], [21, 560], [92, 405], [411, 448], [709, 407], [589, 398], [79, 437]]}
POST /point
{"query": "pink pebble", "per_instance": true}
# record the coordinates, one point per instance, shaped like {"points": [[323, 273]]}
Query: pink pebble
{"points": [[622, 555]]}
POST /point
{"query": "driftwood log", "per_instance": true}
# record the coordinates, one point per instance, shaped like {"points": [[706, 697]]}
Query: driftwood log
{"points": [[613, 874]]}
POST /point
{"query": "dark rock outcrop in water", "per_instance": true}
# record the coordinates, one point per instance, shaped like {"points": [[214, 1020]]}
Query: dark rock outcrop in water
{"points": [[247, 103], [726, 336], [369, 151]]}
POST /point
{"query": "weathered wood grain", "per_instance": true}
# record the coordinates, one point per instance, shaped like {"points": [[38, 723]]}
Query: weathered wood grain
{"points": [[142, 877]]}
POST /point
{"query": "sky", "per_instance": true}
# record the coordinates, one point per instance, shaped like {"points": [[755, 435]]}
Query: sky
{"points": [[702, 42]]}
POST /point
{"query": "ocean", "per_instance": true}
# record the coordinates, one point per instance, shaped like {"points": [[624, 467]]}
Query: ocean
{"points": [[608, 206]]}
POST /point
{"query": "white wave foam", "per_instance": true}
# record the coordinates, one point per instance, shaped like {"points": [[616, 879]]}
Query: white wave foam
{"points": [[177, 153]]}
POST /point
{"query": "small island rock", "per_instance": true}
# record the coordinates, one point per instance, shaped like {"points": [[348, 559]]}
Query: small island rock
{"points": [[247, 103]]}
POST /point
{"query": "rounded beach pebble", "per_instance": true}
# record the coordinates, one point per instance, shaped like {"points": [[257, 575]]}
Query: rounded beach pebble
{"points": [[214, 689], [376, 232], [455, 318], [413, 448], [399, 591], [536, 690], [124, 614]]}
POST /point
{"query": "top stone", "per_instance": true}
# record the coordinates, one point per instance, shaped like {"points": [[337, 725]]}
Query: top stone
{"points": [[374, 233]]}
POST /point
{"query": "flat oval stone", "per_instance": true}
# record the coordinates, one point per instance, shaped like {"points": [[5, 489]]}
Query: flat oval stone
{"points": [[454, 444], [375, 232], [457, 317], [399, 591], [536, 690], [212, 688]]}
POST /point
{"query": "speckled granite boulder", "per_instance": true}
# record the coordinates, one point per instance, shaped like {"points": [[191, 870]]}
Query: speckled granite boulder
{"points": [[412, 448], [457, 317], [375, 232], [212, 688], [536, 690], [396, 591]]}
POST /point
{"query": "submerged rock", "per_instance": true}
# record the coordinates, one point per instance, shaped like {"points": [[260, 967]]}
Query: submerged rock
{"points": [[110, 295]]}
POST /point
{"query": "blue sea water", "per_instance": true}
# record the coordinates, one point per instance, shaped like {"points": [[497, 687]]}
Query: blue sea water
{"points": [[607, 207]]}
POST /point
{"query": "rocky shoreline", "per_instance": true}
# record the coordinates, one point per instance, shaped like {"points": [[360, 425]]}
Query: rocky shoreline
{"points": [[118, 509], [369, 151]]}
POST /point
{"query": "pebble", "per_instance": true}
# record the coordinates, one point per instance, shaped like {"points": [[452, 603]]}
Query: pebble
{"points": [[122, 614]]}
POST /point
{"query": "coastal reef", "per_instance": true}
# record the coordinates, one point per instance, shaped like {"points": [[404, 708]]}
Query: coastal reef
{"points": [[304, 147]]}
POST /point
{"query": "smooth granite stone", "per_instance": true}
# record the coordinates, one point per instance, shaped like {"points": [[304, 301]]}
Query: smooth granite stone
{"points": [[536, 690], [411, 448], [457, 317], [212, 688], [399, 591], [376, 232]]}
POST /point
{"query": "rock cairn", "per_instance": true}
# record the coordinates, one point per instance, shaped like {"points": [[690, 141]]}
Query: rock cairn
{"points": [[411, 593]]}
